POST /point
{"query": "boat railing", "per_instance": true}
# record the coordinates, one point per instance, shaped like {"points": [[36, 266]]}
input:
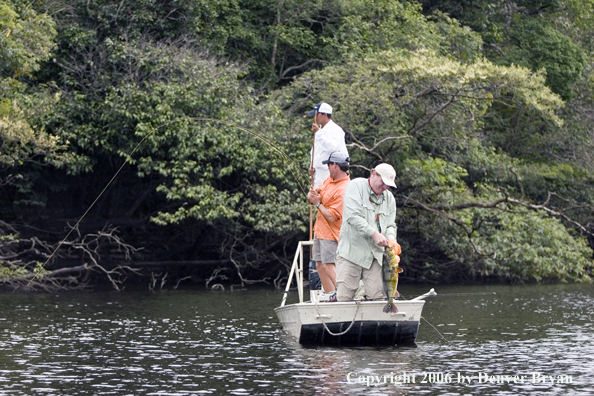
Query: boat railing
{"points": [[297, 271]]}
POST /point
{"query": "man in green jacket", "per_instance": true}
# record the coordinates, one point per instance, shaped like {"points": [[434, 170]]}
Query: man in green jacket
{"points": [[369, 225]]}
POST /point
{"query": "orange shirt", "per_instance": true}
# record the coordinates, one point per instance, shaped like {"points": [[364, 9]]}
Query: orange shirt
{"points": [[332, 195]]}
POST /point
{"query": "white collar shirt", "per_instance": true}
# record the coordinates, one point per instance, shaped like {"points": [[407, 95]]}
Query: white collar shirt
{"points": [[327, 140]]}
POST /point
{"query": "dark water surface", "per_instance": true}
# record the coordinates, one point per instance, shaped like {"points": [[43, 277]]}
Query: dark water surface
{"points": [[494, 340]]}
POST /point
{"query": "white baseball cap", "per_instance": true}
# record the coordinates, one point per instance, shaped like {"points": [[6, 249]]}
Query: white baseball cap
{"points": [[321, 108], [387, 173]]}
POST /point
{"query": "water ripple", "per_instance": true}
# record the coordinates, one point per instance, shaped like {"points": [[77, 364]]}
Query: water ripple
{"points": [[229, 343]]}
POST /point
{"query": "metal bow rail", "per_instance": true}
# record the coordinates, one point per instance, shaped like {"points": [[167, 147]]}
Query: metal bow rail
{"points": [[297, 271]]}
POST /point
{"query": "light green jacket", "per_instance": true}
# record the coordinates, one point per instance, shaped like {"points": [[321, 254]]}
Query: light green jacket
{"points": [[361, 209]]}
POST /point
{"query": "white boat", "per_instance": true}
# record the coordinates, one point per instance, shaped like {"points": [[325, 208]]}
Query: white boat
{"points": [[352, 323]]}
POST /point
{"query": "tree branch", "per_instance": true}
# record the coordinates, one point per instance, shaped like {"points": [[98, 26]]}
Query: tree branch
{"points": [[418, 127], [284, 73]]}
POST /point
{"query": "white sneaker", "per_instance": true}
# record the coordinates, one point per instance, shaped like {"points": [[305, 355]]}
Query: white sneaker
{"points": [[328, 297]]}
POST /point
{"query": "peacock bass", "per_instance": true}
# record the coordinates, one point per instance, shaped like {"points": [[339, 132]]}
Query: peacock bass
{"points": [[390, 271]]}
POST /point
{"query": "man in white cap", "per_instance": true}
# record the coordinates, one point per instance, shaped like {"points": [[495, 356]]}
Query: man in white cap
{"points": [[368, 225], [328, 139]]}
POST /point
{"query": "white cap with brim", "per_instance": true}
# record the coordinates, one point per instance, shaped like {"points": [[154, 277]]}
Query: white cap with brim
{"points": [[387, 173], [321, 108]]}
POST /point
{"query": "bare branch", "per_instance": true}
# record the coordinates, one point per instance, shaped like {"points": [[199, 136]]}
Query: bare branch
{"points": [[287, 70], [418, 127], [23, 257]]}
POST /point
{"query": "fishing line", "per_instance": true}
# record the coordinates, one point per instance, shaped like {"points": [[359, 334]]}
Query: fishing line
{"points": [[422, 317], [449, 295], [455, 294], [268, 142]]}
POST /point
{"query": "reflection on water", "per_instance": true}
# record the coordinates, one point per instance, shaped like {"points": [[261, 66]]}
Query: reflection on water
{"points": [[498, 340]]}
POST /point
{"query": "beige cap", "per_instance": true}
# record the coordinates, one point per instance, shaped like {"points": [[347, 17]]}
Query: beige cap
{"points": [[388, 174]]}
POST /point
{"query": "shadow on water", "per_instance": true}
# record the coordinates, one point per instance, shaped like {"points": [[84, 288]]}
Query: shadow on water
{"points": [[202, 342]]}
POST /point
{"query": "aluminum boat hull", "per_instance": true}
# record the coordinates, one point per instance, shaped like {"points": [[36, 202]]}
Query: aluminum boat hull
{"points": [[326, 323]]}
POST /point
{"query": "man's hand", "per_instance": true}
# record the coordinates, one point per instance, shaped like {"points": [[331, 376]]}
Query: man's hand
{"points": [[379, 239], [315, 127], [394, 245], [313, 197]]}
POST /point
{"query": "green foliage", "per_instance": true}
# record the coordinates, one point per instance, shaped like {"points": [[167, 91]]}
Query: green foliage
{"points": [[518, 246], [12, 272], [491, 19], [540, 46], [217, 176], [458, 41], [14, 269], [575, 19], [381, 25], [468, 110], [564, 179], [371, 26], [485, 164], [21, 132], [420, 101], [533, 246], [543, 34], [209, 172], [434, 178], [25, 38]]}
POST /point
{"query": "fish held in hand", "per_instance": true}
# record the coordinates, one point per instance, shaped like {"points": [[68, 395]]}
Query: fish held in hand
{"points": [[390, 271]]}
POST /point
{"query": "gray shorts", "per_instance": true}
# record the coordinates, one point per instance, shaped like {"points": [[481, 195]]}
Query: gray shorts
{"points": [[324, 250]]}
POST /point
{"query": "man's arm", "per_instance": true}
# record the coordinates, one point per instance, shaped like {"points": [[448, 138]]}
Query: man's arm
{"points": [[390, 231], [326, 213]]}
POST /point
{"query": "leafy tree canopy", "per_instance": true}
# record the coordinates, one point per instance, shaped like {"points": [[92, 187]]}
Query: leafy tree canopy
{"points": [[199, 108], [410, 108], [26, 39]]}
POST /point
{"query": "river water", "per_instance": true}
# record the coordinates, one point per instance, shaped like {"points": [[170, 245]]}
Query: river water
{"points": [[475, 341]]}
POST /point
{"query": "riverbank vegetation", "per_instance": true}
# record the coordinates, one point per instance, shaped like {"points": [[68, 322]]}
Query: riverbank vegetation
{"points": [[161, 142]]}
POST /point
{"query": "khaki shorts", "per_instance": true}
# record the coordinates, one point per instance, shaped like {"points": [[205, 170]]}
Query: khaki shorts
{"points": [[348, 275], [324, 250]]}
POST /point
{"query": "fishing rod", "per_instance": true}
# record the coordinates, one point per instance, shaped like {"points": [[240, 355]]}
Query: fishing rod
{"points": [[311, 182], [150, 133], [466, 294]]}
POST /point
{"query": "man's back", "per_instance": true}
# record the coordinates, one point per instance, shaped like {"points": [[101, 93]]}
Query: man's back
{"points": [[327, 140]]}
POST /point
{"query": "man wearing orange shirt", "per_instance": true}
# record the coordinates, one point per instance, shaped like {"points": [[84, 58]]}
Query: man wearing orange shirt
{"points": [[328, 199]]}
